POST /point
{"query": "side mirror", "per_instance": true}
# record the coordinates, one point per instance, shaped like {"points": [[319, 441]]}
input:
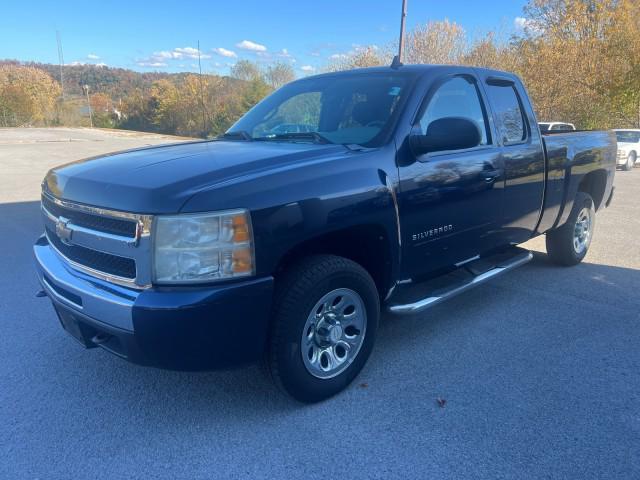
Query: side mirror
{"points": [[449, 133]]}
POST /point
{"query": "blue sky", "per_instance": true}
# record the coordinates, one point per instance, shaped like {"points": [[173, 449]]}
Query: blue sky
{"points": [[163, 35]]}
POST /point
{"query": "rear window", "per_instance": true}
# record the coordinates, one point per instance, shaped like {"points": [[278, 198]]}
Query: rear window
{"points": [[506, 105]]}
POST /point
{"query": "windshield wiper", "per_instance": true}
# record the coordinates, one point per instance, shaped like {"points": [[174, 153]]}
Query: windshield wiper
{"points": [[314, 136], [237, 135]]}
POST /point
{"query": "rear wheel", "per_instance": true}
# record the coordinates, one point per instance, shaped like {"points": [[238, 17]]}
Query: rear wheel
{"points": [[631, 161], [324, 327], [569, 244]]}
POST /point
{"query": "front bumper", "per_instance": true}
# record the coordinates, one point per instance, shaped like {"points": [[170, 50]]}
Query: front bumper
{"points": [[621, 157], [185, 328]]}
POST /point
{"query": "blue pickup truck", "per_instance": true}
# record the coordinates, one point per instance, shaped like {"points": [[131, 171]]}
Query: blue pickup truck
{"points": [[336, 197]]}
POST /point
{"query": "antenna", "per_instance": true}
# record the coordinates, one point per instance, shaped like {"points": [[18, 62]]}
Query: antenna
{"points": [[397, 60], [204, 117], [60, 61]]}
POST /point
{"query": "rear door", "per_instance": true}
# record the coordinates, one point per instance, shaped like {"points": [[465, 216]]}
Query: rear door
{"points": [[522, 156], [450, 202]]}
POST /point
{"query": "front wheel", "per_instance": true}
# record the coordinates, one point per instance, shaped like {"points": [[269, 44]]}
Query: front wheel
{"points": [[324, 327], [569, 244]]}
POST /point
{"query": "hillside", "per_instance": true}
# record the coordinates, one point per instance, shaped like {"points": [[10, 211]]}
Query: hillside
{"points": [[115, 82]]}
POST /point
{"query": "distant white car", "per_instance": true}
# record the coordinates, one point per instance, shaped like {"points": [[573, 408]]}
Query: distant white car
{"points": [[546, 127], [628, 147]]}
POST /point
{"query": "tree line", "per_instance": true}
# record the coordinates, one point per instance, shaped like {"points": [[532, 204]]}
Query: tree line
{"points": [[580, 60]]}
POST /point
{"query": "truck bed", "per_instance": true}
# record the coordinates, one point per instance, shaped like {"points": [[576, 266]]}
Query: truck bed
{"points": [[574, 158]]}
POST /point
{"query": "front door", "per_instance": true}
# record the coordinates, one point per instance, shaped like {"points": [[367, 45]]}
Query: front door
{"points": [[450, 202]]}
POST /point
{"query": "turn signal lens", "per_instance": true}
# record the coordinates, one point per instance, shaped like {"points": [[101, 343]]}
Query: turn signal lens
{"points": [[242, 261], [240, 229]]}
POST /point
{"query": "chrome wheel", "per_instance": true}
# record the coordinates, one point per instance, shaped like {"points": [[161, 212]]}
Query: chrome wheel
{"points": [[333, 333], [582, 231]]}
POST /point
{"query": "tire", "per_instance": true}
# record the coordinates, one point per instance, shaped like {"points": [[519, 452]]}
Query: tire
{"points": [[303, 324], [631, 161], [568, 244]]}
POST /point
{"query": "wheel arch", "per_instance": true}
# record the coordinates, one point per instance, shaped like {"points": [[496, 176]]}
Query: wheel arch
{"points": [[368, 245], [595, 184]]}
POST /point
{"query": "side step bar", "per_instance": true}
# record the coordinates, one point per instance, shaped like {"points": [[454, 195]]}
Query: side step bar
{"points": [[429, 294]]}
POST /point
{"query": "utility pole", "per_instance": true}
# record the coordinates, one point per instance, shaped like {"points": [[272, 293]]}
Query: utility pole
{"points": [[397, 60], [60, 61], [86, 91]]}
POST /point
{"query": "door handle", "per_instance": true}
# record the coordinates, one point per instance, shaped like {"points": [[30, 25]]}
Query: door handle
{"points": [[491, 177]]}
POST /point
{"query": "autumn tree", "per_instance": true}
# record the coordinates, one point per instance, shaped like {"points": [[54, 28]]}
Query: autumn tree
{"points": [[435, 42], [27, 96], [246, 70], [279, 74], [361, 57], [254, 87]]}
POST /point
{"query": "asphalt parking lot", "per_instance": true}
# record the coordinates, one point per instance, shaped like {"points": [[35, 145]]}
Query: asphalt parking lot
{"points": [[539, 371]]}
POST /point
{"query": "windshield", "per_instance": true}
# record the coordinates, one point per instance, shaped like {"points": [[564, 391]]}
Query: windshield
{"points": [[544, 127], [358, 109], [628, 137]]}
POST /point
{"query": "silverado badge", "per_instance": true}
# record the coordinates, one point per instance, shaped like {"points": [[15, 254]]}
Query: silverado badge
{"points": [[433, 232]]}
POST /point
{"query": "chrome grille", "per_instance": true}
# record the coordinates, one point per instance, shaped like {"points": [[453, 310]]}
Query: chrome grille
{"points": [[114, 226], [104, 262], [108, 244]]}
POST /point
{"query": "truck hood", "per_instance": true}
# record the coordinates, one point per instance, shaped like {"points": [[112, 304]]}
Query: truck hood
{"points": [[161, 179]]}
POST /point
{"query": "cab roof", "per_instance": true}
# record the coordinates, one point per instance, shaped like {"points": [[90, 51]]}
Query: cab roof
{"points": [[415, 69]]}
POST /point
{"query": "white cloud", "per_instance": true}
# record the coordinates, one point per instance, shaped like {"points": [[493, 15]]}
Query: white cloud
{"points": [[251, 46], [360, 48], [356, 48], [76, 63], [308, 68], [224, 52], [101, 64], [151, 64], [315, 54], [160, 58], [93, 56], [188, 52], [284, 53], [527, 25], [177, 54]]}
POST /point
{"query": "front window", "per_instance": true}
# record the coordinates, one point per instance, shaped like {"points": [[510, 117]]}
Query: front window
{"points": [[628, 137], [358, 109], [458, 97]]}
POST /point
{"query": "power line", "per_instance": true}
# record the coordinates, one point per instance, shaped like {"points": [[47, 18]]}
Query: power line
{"points": [[204, 117]]}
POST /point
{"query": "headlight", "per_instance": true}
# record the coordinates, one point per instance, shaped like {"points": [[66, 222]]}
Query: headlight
{"points": [[202, 247]]}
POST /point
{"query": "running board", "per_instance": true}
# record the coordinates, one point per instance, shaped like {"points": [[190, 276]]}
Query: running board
{"points": [[419, 297]]}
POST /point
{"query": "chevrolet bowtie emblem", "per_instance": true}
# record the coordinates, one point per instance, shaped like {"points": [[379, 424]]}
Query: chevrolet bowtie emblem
{"points": [[63, 231]]}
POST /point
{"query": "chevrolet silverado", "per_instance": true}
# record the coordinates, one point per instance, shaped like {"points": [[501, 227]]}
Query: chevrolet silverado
{"points": [[337, 197]]}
